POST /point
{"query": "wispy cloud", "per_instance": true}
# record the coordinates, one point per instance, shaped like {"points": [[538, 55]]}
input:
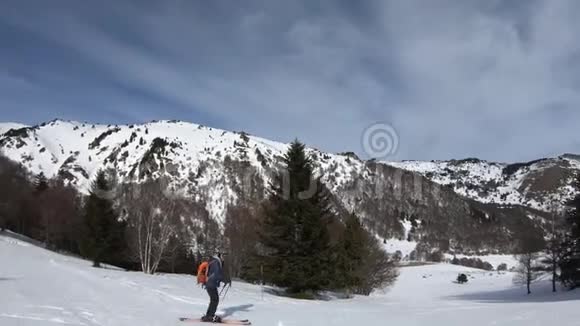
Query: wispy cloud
{"points": [[494, 79]]}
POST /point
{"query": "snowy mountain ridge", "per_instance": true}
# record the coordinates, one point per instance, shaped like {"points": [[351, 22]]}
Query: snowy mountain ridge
{"points": [[542, 184], [189, 153], [221, 169], [5, 126]]}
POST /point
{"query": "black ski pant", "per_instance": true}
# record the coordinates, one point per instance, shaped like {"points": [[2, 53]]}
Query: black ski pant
{"points": [[214, 300]]}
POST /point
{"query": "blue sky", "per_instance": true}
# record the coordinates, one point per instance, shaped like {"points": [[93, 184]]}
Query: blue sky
{"points": [[494, 79]]}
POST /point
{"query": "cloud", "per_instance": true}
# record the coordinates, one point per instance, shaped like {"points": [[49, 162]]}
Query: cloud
{"points": [[491, 79]]}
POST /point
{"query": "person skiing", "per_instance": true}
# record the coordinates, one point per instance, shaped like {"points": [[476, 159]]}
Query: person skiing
{"points": [[213, 270]]}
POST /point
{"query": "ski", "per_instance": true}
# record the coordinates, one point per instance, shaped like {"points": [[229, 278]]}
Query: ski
{"points": [[224, 321]]}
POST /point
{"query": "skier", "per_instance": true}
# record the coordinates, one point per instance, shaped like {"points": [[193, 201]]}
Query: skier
{"points": [[210, 275]]}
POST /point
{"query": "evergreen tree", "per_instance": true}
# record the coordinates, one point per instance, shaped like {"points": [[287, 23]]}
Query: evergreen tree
{"points": [[104, 234], [40, 183], [294, 232], [570, 262], [350, 251], [362, 265]]}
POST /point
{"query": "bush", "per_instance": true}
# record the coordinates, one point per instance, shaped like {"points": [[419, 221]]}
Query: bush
{"points": [[472, 262], [436, 256], [398, 256], [502, 267], [462, 278]]}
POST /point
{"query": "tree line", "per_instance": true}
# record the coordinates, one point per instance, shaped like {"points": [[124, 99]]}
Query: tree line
{"points": [[558, 253], [295, 238], [134, 226]]}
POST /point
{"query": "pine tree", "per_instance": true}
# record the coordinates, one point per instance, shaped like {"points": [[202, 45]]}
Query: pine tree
{"points": [[361, 263], [570, 262], [38, 210], [350, 252], [40, 183], [104, 233], [294, 231]]}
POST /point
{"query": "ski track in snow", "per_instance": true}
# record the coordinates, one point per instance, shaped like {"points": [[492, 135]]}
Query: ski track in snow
{"points": [[40, 287]]}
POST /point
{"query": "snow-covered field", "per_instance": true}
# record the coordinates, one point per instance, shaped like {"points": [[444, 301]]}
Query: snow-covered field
{"points": [[38, 287]]}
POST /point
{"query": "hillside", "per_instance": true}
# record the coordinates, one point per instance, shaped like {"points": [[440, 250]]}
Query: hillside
{"points": [[537, 184], [464, 206], [40, 287], [5, 126]]}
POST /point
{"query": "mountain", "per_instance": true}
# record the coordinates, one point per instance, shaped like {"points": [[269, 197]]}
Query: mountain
{"points": [[5, 126], [542, 184], [460, 206]]}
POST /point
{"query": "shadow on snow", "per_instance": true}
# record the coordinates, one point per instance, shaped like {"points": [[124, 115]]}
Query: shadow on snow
{"points": [[229, 311], [541, 293]]}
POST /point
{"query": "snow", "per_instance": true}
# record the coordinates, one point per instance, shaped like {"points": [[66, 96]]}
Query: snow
{"points": [[52, 144], [469, 177], [402, 245], [5, 126], [40, 287], [198, 163], [201, 152], [575, 163], [405, 247]]}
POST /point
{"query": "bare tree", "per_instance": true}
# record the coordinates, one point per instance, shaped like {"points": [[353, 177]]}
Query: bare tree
{"points": [[528, 249], [59, 216], [241, 236], [15, 198], [554, 250], [528, 269], [153, 214]]}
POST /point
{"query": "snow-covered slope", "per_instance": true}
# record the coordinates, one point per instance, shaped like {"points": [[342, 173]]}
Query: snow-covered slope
{"points": [[194, 156], [76, 150], [48, 147], [221, 169], [5, 126], [40, 287], [538, 184]]}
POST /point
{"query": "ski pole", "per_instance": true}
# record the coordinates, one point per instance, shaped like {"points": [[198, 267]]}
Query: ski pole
{"points": [[226, 293]]}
